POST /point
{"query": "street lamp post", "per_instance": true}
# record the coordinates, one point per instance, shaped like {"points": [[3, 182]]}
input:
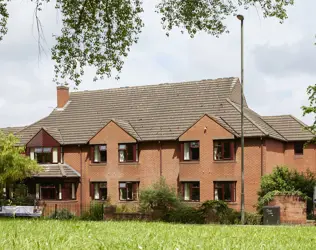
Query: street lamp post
{"points": [[242, 201]]}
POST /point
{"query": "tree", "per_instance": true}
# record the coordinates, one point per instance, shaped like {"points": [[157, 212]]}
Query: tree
{"points": [[288, 182], [14, 166], [311, 109], [100, 33]]}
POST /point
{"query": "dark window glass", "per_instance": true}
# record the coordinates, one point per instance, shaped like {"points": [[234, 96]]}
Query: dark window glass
{"points": [[128, 191], [128, 152], [223, 150], [299, 148], [225, 191], [191, 191], [191, 151]]}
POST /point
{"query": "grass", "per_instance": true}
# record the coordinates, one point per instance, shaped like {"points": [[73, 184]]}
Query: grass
{"points": [[52, 234]]}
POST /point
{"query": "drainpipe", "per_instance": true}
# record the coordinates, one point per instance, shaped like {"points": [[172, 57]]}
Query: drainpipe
{"points": [[81, 184], [160, 153], [262, 157]]}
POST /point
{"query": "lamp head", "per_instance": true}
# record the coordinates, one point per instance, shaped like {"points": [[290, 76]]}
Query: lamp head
{"points": [[240, 17]]}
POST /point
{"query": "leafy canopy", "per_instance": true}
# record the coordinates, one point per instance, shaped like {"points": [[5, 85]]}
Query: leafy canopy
{"points": [[14, 166], [311, 109], [283, 181], [100, 33]]}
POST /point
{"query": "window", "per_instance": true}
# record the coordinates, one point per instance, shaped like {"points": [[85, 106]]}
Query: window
{"points": [[191, 191], [44, 155], [225, 191], [128, 191], [190, 151], [128, 152], [223, 150], [99, 153], [299, 148], [99, 190], [56, 191]]}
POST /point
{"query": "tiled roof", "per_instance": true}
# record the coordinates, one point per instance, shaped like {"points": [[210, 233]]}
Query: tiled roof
{"points": [[58, 170], [12, 130], [290, 127], [152, 112]]}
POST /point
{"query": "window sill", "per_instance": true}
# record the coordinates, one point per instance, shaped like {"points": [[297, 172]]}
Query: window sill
{"points": [[59, 201], [128, 201], [129, 163], [191, 201], [298, 156], [231, 203], [225, 161], [189, 162], [101, 164]]}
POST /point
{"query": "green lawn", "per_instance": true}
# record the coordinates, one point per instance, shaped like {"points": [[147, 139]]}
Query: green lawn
{"points": [[50, 234]]}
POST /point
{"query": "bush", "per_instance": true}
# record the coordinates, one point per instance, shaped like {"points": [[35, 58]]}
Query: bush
{"points": [[126, 208], [95, 212], [218, 212], [253, 219], [159, 197], [185, 215], [63, 214], [288, 182]]}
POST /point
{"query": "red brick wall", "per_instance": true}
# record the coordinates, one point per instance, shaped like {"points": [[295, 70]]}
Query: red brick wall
{"points": [[292, 209], [274, 154], [301, 162]]}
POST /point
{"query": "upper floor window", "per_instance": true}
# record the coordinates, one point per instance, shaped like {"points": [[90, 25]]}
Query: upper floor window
{"points": [[98, 190], [299, 148], [225, 191], [128, 152], [223, 150], [190, 151], [99, 153], [44, 155], [191, 191], [128, 191]]}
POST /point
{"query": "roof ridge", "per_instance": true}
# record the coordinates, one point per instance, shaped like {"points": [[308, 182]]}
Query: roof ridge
{"points": [[267, 123], [135, 130], [229, 125], [301, 123], [156, 84], [249, 119]]}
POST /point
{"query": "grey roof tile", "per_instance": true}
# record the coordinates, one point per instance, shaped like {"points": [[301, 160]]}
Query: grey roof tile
{"points": [[290, 127], [58, 170]]}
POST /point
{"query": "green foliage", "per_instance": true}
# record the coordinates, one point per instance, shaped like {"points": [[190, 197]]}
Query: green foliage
{"points": [[218, 212], [14, 166], [101, 33], [62, 214], [159, 197], [253, 219], [185, 215], [126, 208], [95, 212], [283, 181], [311, 109]]}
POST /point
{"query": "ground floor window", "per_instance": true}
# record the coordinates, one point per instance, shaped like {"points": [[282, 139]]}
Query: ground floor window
{"points": [[191, 191], [128, 191], [225, 191], [98, 190], [56, 191]]}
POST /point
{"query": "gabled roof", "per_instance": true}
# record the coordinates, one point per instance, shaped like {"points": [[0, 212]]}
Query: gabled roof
{"points": [[152, 112], [290, 127]]}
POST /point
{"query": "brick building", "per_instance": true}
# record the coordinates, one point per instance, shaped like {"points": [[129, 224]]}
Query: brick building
{"points": [[109, 144]]}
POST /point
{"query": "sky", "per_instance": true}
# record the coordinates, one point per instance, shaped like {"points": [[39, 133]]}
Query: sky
{"points": [[280, 60]]}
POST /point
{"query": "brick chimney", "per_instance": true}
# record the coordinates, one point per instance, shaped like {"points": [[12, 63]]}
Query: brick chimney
{"points": [[62, 96]]}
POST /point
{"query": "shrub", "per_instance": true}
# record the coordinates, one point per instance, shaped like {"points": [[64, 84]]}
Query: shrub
{"points": [[253, 219], [185, 215], [63, 214], [287, 182], [159, 197], [126, 208], [218, 212], [95, 212]]}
